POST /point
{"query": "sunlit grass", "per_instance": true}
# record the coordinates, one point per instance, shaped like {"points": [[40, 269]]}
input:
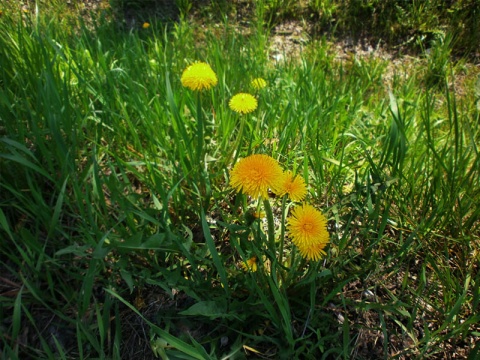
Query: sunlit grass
{"points": [[118, 217]]}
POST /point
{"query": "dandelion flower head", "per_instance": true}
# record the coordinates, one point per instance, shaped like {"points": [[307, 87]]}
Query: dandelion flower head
{"points": [[146, 25], [250, 264], [255, 174], [308, 229], [258, 83], [243, 103], [199, 76], [293, 186], [313, 251]]}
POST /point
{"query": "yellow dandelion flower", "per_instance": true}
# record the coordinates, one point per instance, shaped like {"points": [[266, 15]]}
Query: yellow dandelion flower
{"points": [[250, 264], [258, 83], [293, 186], [308, 229], [199, 76], [255, 174], [146, 25], [243, 103], [312, 251]]}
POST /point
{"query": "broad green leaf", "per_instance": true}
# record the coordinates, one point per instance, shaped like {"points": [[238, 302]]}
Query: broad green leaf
{"points": [[210, 309]]}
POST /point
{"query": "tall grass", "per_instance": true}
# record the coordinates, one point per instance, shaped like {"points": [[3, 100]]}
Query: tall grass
{"points": [[405, 25], [118, 239]]}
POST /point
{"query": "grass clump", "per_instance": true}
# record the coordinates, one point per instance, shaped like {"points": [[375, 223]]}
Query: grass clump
{"points": [[134, 222], [403, 24]]}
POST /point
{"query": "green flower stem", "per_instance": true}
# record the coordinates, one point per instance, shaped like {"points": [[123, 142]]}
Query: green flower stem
{"points": [[293, 269], [200, 131], [201, 176], [270, 225], [250, 141], [282, 229], [237, 145]]}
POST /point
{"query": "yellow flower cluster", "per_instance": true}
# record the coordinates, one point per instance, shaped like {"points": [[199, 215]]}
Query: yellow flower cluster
{"points": [[200, 76], [258, 173], [244, 103]]}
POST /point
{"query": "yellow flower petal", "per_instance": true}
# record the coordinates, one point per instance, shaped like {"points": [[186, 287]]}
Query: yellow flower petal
{"points": [[243, 103], [258, 83], [312, 251], [292, 186], [308, 229], [250, 264], [199, 76], [255, 174]]}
